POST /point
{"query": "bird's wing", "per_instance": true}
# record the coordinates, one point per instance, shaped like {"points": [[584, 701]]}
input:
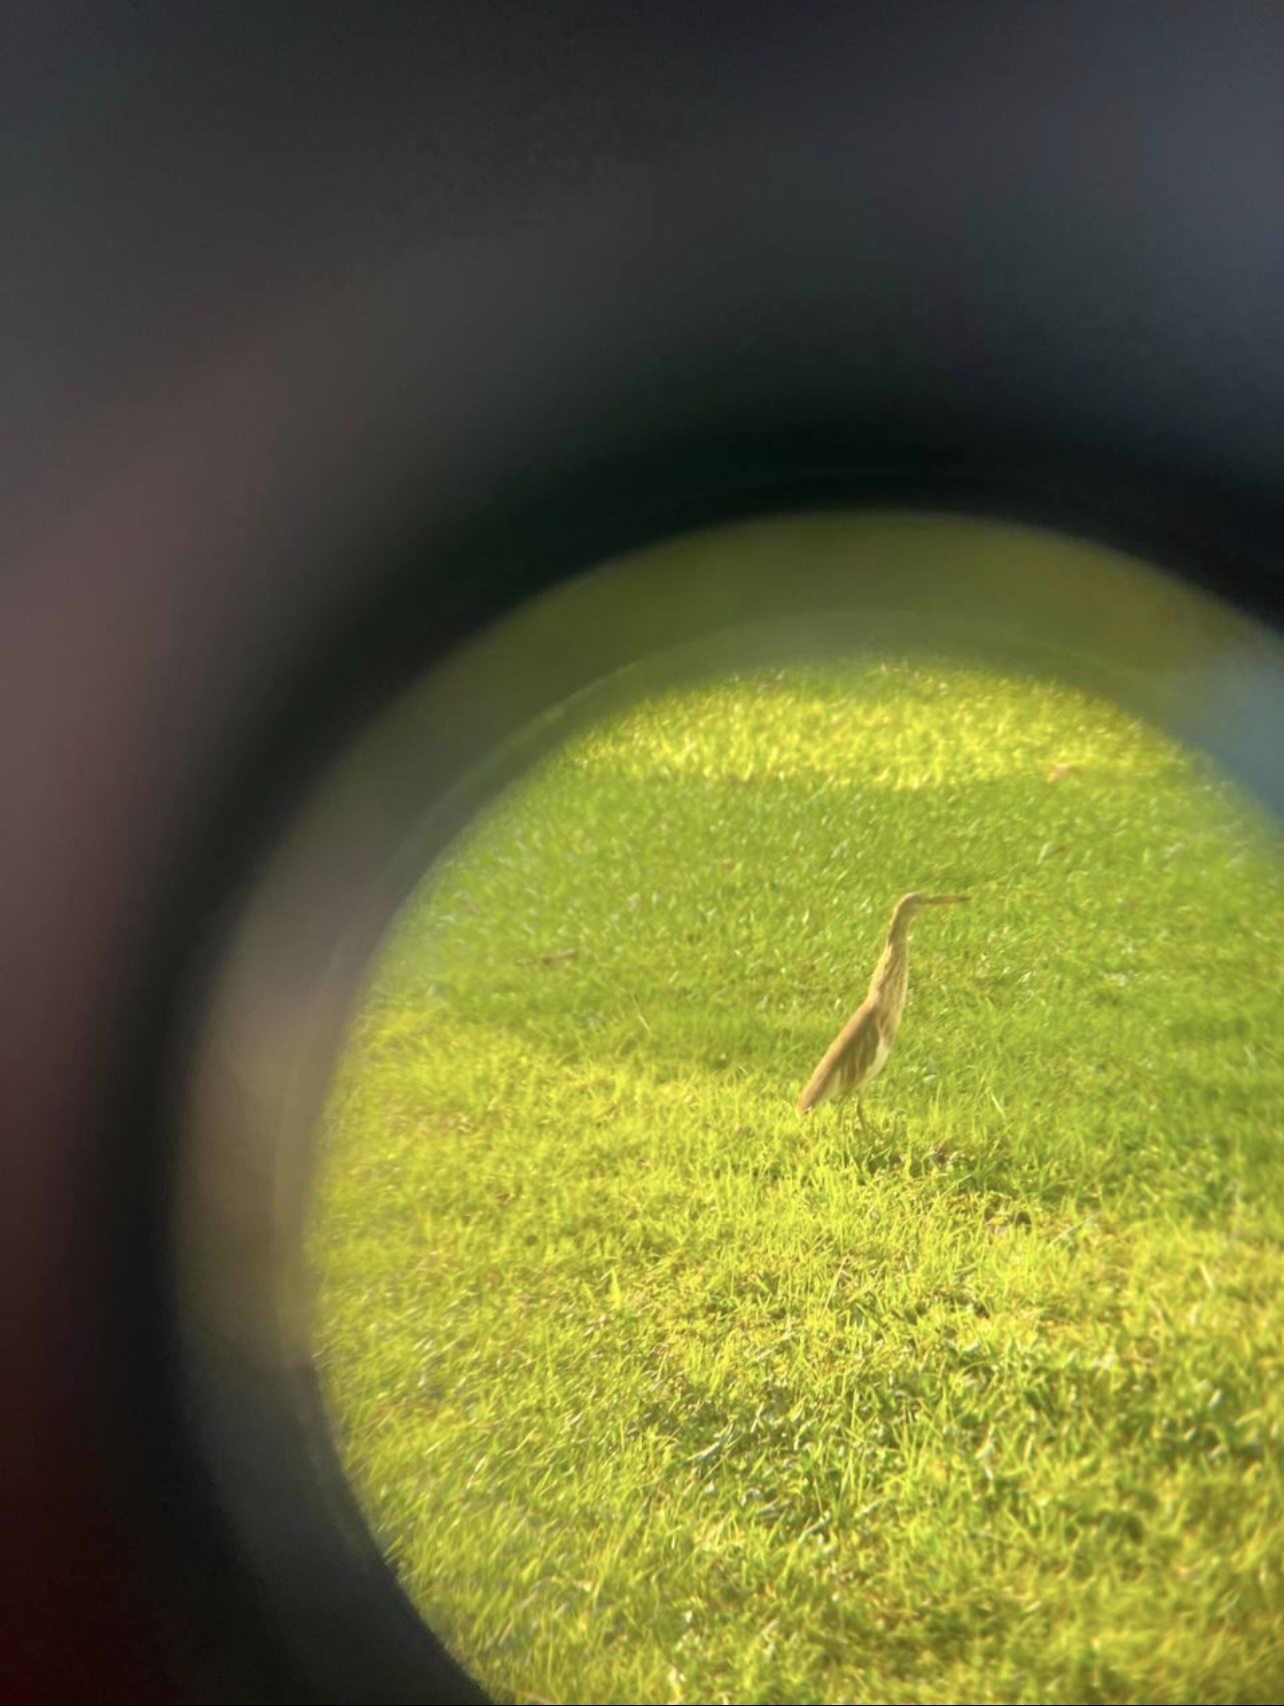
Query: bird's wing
{"points": [[848, 1060]]}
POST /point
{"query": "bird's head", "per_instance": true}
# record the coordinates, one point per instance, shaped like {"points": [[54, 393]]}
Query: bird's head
{"points": [[911, 905]]}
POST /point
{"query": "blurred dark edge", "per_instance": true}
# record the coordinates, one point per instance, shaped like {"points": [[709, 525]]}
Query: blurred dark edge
{"points": [[327, 343]]}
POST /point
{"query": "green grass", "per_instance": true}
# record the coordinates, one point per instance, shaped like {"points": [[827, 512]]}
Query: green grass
{"points": [[655, 1391]]}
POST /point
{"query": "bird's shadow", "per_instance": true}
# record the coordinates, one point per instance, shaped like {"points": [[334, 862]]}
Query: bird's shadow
{"points": [[876, 1147]]}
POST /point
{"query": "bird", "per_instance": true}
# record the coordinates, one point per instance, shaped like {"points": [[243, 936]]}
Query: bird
{"points": [[860, 1050]]}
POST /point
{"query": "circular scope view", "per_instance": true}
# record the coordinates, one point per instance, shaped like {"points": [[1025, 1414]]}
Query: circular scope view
{"points": [[741, 1276]]}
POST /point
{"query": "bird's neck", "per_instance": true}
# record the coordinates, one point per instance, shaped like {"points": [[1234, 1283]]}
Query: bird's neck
{"points": [[892, 972]]}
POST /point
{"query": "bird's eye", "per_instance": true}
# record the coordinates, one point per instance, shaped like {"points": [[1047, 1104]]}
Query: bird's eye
{"points": [[649, 1388]]}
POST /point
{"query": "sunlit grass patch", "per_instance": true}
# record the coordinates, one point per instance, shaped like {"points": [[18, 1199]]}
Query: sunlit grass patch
{"points": [[656, 1391]]}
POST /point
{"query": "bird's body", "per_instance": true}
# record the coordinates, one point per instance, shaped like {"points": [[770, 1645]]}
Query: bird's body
{"points": [[860, 1050]]}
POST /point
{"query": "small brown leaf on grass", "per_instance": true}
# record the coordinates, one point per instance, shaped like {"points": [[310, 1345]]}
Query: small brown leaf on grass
{"points": [[1004, 1225], [1060, 772], [957, 1297]]}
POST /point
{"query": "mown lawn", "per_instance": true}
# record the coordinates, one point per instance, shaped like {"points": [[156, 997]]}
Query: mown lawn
{"points": [[655, 1390]]}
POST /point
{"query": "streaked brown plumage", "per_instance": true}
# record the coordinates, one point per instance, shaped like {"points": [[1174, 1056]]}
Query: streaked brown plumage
{"points": [[860, 1050]]}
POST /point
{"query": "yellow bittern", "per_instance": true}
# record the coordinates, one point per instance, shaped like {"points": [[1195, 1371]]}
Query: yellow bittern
{"points": [[860, 1050]]}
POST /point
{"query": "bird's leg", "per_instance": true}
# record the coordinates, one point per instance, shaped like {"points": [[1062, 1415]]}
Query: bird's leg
{"points": [[860, 1113]]}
